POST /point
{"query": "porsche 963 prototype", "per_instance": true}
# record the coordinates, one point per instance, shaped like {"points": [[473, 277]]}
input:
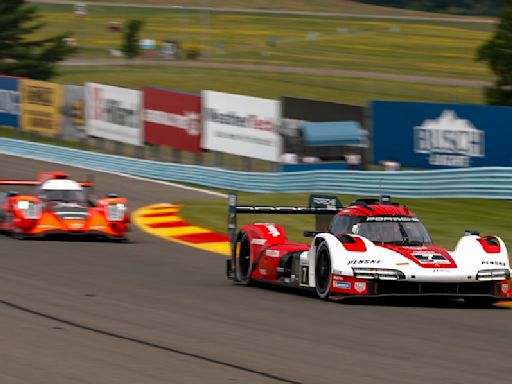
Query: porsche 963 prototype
{"points": [[373, 247]]}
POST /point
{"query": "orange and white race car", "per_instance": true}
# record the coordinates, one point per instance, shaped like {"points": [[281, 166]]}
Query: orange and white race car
{"points": [[60, 205]]}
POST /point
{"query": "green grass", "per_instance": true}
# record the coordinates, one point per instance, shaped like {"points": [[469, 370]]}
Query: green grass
{"points": [[344, 6], [269, 85], [446, 219], [433, 48]]}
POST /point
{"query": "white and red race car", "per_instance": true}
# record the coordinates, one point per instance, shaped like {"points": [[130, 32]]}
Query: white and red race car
{"points": [[371, 248]]}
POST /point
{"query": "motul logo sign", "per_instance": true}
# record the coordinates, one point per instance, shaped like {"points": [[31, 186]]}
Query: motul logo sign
{"points": [[172, 118], [190, 121]]}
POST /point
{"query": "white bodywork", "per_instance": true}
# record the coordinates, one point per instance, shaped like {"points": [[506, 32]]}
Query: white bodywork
{"points": [[469, 255]]}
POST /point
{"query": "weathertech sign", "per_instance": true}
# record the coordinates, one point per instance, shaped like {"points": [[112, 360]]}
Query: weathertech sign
{"points": [[172, 119], [113, 113], [241, 125]]}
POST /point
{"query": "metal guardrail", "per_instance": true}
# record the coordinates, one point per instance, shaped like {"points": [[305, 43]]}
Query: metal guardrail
{"points": [[491, 182]]}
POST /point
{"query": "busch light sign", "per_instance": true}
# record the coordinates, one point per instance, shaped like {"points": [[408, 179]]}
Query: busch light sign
{"points": [[424, 135], [449, 141], [9, 101]]}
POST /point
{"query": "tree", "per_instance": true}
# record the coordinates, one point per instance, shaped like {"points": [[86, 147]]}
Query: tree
{"points": [[497, 53], [21, 54], [131, 32]]}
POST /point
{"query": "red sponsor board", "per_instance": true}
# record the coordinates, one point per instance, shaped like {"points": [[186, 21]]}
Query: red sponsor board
{"points": [[172, 118]]}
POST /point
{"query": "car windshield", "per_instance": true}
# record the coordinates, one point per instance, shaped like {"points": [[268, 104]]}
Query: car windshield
{"points": [[411, 231], [63, 195]]}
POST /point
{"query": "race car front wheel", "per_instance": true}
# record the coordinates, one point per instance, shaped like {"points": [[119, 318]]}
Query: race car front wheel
{"points": [[323, 271]]}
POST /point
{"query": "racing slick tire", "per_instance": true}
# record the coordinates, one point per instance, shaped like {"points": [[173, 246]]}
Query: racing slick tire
{"points": [[323, 271], [243, 260]]}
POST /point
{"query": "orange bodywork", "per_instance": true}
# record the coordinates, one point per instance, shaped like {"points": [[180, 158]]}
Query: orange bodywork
{"points": [[96, 221]]}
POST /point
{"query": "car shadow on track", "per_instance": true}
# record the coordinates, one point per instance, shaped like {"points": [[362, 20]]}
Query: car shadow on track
{"points": [[69, 238], [401, 302]]}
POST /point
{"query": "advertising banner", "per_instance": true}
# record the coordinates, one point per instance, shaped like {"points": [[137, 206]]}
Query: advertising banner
{"points": [[241, 125], [424, 135], [320, 111], [73, 112], [113, 113], [40, 106], [9, 101], [172, 119]]}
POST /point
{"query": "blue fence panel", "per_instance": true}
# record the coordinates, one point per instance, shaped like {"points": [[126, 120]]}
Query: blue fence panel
{"points": [[9, 101], [488, 182], [424, 135]]}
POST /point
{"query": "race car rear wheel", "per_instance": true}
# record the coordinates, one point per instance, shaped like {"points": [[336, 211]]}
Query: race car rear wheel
{"points": [[323, 271], [243, 259]]}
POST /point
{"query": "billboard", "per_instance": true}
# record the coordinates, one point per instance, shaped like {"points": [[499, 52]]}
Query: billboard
{"points": [[9, 101], [172, 119], [346, 137], [241, 125], [40, 106], [425, 135], [321, 111], [73, 112], [113, 113]]}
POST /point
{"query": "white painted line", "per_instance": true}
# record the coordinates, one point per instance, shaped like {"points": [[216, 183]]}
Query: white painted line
{"points": [[168, 183]]}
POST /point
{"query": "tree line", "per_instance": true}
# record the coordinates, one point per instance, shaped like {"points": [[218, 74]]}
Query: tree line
{"points": [[461, 7]]}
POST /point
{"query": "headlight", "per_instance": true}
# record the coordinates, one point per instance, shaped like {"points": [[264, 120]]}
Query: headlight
{"points": [[23, 204], [30, 209], [378, 274], [116, 212], [493, 275]]}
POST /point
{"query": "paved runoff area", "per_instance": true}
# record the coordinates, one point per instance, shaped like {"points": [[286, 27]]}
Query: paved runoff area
{"points": [[163, 220]]}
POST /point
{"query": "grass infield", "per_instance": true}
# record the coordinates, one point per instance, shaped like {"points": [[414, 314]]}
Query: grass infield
{"points": [[269, 85]]}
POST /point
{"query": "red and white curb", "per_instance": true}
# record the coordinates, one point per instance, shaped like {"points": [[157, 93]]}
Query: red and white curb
{"points": [[163, 220]]}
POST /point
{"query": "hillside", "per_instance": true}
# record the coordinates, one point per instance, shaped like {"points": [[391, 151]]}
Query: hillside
{"points": [[335, 6], [461, 7]]}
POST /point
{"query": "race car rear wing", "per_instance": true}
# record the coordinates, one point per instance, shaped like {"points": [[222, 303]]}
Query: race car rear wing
{"points": [[36, 182], [44, 176], [323, 206]]}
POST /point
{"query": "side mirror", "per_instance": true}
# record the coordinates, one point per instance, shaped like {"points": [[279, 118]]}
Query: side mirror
{"points": [[311, 233], [112, 195], [471, 232]]}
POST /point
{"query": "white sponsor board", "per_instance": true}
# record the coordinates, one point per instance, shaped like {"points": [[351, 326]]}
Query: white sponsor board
{"points": [[241, 125], [113, 113]]}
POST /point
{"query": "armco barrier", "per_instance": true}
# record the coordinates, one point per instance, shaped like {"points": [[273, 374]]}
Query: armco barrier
{"points": [[473, 182]]}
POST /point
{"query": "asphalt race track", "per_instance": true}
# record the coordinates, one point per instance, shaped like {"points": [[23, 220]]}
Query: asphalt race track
{"points": [[151, 311]]}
